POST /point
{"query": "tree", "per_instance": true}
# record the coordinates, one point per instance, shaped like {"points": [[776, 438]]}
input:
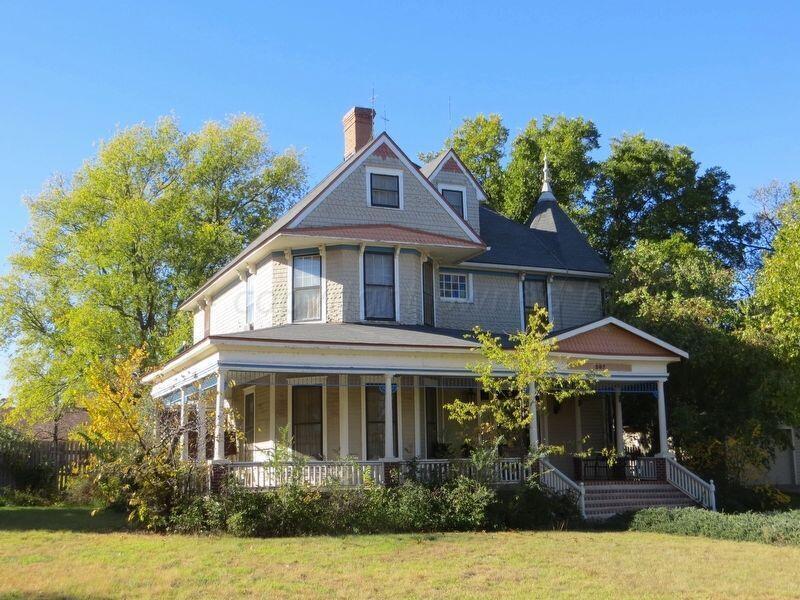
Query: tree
{"points": [[727, 401], [567, 143], [647, 189], [778, 283], [109, 254], [504, 412], [480, 143]]}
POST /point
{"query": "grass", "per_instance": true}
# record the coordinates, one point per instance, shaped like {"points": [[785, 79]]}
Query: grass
{"points": [[65, 553]]}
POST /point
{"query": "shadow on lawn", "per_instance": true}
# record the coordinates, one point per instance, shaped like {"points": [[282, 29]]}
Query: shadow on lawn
{"points": [[75, 519]]}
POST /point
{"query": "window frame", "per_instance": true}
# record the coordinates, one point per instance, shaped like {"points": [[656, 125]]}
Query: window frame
{"points": [[249, 391], [370, 171], [452, 187], [322, 421], [365, 284], [525, 299], [294, 290], [381, 399], [468, 276]]}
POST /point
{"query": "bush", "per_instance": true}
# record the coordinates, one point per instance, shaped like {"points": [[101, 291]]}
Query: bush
{"points": [[769, 528], [460, 504], [14, 497], [733, 497], [536, 507]]}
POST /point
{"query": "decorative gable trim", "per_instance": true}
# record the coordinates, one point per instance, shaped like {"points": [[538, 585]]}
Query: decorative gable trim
{"points": [[622, 325], [451, 165], [384, 140], [451, 162], [383, 151]]}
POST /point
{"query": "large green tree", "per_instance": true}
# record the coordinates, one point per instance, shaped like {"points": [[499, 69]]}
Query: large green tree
{"points": [[568, 144], [729, 399], [110, 252], [480, 142], [647, 189], [777, 295]]}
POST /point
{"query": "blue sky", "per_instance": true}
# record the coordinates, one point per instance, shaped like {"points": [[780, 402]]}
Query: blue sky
{"points": [[722, 78]]}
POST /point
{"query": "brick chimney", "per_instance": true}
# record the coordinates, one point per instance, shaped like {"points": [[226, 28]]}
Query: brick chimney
{"points": [[357, 129]]}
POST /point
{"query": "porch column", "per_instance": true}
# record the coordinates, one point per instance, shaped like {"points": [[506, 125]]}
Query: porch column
{"points": [[200, 406], [619, 433], [417, 420], [184, 431], [662, 421], [578, 426], [388, 429], [533, 426], [219, 418], [344, 415]]}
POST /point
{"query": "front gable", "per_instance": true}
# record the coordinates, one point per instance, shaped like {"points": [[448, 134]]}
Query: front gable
{"points": [[612, 337], [346, 201]]}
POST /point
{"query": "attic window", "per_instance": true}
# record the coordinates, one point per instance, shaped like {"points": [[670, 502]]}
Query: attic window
{"points": [[385, 188], [455, 197]]}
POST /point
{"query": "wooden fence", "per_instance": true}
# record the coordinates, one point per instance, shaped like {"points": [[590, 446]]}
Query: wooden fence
{"points": [[63, 459]]}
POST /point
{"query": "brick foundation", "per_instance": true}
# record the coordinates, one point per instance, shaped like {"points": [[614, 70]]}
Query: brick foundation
{"points": [[217, 475]]}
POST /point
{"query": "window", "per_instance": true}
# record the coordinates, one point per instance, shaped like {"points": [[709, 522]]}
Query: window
{"points": [[427, 294], [454, 287], [431, 425], [376, 420], [379, 286], [306, 288], [534, 291], [249, 300], [455, 198], [307, 420], [384, 190], [249, 417]]}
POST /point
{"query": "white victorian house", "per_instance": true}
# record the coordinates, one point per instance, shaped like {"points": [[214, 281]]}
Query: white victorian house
{"points": [[344, 322]]}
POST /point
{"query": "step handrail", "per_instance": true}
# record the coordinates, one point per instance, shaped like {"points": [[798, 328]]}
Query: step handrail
{"points": [[701, 491], [557, 481]]}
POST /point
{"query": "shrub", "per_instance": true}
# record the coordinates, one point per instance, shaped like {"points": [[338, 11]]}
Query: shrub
{"points": [[466, 504], [14, 497], [770, 528], [733, 497], [532, 506]]}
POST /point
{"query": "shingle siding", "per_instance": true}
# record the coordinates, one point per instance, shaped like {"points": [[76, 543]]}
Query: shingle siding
{"points": [[347, 204], [495, 305], [575, 302], [409, 267], [341, 268], [280, 289], [444, 177]]}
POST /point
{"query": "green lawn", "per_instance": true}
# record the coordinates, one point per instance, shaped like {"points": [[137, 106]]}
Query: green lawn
{"points": [[65, 553]]}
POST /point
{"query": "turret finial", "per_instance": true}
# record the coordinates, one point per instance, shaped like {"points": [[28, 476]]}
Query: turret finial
{"points": [[546, 179]]}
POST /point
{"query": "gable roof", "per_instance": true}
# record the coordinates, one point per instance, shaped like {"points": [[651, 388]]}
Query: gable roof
{"points": [[610, 336], [514, 244], [292, 218], [432, 168]]}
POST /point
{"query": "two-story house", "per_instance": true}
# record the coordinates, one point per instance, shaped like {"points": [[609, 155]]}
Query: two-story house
{"points": [[344, 322]]}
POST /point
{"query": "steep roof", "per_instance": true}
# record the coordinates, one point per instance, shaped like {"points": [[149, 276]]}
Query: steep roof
{"points": [[554, 244]]}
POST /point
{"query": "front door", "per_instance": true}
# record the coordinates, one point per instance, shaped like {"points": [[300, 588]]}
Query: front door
{"points": [[427, 293]]}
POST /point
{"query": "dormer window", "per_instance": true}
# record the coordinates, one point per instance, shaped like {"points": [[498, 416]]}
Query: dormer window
{"points": [[384, 188], [455, 196]]}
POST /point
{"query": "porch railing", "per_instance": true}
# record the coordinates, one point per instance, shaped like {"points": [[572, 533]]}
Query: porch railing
{"points": [[259, 475], [702, 492], [503, 471], [560, 483], [624, 468]]}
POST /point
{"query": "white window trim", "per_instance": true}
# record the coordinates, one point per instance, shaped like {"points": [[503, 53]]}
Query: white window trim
{"points": [[309, 381], [456, 188], [323, 288], [382, 171], [469, 299], [362, 313], [251, 389]]}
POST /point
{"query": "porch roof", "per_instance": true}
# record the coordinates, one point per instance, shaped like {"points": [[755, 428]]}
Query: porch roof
{"points": [[357, 334]]}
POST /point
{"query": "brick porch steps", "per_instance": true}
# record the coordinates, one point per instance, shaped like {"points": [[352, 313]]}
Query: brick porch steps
{"points": [[606, 499]]}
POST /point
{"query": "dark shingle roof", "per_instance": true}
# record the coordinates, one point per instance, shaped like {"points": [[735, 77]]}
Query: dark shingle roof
{"points": [[552, 241], [358, 334]]}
